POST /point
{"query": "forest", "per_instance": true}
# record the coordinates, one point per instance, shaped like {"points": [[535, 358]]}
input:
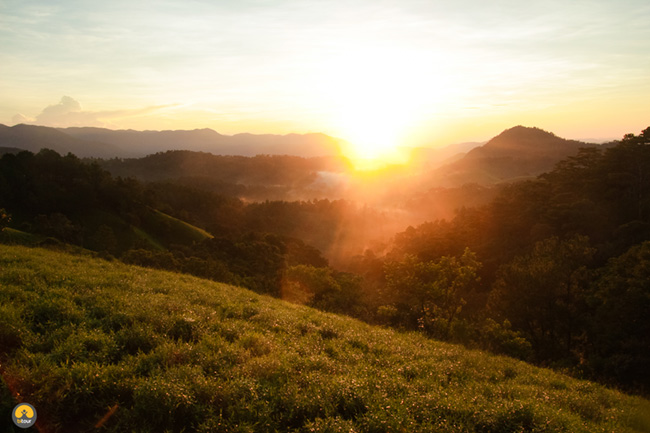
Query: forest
{"points": [[553, 270]]}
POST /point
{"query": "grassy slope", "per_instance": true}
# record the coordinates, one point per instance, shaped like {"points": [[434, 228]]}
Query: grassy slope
{"points": [[79, 336], [12, 236], [162, 231], [184, 229]]}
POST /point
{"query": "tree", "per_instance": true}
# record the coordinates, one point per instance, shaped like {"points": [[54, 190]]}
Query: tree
{"points": [[58, 226], [542, 293], [620, 331], [5, 219], [322, 288], [431, 294], [626, 169], [104, 240]]}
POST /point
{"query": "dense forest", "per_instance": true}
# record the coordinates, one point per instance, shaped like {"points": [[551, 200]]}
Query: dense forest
{"points": [[552, 270]]}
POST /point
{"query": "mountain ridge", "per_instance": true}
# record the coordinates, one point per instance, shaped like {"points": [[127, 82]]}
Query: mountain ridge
{"points": [[529, 139], [34, 138], [208, 140], [129, 143], [516, 153]]}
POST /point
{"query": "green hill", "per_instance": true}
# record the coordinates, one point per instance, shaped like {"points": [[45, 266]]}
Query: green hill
{"points": [[173, 230], [101, 345]]}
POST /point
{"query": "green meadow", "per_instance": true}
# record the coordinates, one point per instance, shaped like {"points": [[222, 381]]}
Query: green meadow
{"points": [[97, 345]]}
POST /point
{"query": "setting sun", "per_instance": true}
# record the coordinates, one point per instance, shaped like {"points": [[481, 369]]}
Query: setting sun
{"points": [[374, 138], [377, 96]]}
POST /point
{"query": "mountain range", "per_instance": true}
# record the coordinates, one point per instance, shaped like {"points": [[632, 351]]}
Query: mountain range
{"points": [[107, 143], [517, 153]]}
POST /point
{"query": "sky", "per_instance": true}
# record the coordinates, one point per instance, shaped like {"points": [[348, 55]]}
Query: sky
{"points": [[377, 73]]}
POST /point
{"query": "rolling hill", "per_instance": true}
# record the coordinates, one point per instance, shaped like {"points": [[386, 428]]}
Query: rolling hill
{"points": [[98, 344]]}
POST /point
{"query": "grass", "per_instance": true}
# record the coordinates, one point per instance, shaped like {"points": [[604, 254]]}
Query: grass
{"points": [[88, 341], [159, 232], [186, 231], [168, 230], [17, 237]]}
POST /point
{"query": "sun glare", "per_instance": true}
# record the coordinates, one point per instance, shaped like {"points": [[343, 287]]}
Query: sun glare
{"points": [[374, 137], [377, 95]]}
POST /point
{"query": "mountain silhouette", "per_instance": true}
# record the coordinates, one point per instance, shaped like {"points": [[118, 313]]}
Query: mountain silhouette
{"points": [[524, 141], [516, 153], [142, 143], [107, 143], [34, 138]]}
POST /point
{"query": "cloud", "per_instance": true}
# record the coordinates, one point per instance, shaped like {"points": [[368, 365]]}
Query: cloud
{"points": [[69, 112], [21, 118], [66, 113]]}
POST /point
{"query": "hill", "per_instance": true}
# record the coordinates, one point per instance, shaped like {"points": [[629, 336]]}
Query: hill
{"points": [[64, 198], [92, 343], [516, 153]]}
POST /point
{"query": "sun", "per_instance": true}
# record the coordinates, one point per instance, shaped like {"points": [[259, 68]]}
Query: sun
{"points": [[377, 95], [374, 136]]}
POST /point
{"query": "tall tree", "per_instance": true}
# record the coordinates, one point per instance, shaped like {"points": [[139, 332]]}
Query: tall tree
{"points": [[620, 331], [432, 294], [542, 293]]}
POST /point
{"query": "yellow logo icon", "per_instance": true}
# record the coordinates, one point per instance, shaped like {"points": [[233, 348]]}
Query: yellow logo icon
{"points": [[24, 411], [24, 415]]}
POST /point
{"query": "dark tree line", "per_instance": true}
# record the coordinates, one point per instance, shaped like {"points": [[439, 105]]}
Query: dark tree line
{"points": [[257, 178]]}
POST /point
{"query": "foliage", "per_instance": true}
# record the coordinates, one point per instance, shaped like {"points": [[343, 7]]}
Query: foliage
{"points": [[322, 288], [500, 338], [546, 248], [148, 350], [66, 199], [540, 293], [620, 331], [5, 219], [432, 294]]}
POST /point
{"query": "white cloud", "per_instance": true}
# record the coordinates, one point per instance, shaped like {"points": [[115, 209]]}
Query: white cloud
{"points": [[21, 118], [69, 112]]}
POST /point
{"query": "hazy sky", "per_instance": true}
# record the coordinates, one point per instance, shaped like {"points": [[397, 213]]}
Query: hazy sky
{"points": [[410, 71]]}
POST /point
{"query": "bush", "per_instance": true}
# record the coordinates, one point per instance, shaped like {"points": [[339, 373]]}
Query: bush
{"points": [[500, 338]]}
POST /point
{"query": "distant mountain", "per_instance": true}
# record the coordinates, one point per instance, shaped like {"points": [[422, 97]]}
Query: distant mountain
{"points": [[35, 138], [516, 153], [524, 142], [106, 143], [142, 143]]}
